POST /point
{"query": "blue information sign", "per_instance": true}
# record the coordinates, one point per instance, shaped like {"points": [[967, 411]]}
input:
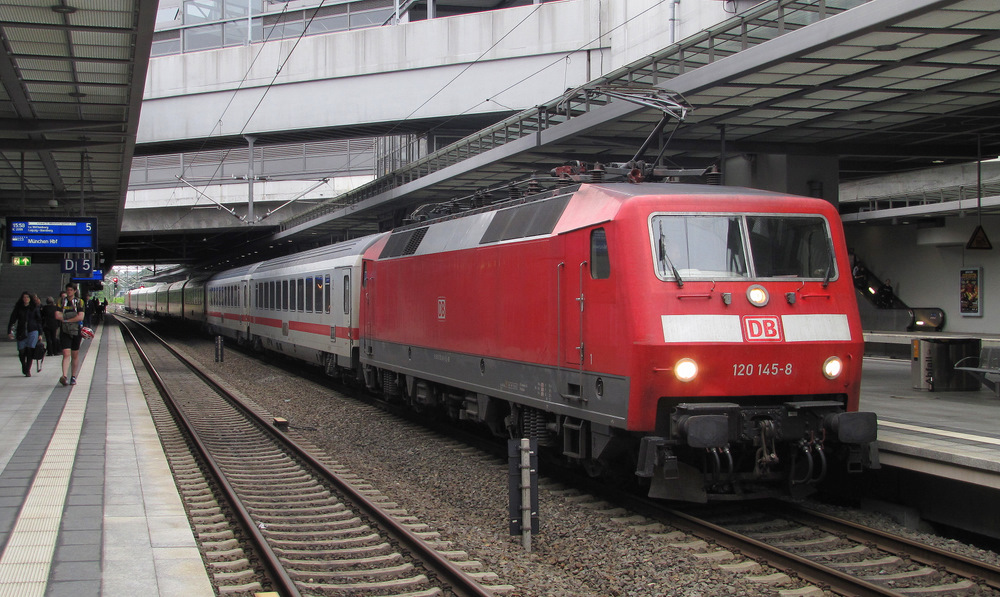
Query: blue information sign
{"points": [[96, 275], [52, 234]]}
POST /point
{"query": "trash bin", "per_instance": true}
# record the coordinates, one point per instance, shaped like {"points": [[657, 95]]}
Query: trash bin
{"points": [[933, 364]]}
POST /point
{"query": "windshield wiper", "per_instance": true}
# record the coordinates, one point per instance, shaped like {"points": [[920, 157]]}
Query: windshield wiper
{"points": [[829, 270], [664, 258]]}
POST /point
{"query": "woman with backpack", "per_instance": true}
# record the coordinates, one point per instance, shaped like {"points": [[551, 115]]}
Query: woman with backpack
{"points": [[25, 324]]}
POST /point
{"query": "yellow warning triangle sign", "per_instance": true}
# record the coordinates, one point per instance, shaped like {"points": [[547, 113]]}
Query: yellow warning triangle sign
{"points": [[979, 240]]}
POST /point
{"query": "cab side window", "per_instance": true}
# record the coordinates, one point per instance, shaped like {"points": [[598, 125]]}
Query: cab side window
{"points": [[600, 262]]}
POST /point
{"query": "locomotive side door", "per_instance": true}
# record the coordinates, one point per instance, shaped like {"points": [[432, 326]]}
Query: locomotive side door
{"points": [[586, 311], [571, 273]]}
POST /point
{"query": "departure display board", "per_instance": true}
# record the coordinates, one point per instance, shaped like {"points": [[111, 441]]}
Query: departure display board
{"points": [[51, 234]]}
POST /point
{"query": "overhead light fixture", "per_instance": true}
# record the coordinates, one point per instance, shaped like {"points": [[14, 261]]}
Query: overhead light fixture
{"points": [[77, 94], [887, 48], [63, 9]]}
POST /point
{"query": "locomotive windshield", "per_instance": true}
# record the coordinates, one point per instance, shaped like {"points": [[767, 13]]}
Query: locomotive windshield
{"points": [[694, 246]]}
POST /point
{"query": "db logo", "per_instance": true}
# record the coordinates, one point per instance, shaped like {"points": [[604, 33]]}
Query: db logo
{"points": [[762, 329]]}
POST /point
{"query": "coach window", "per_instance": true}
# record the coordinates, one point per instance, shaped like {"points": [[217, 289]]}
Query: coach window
{"points": [[600, 263], [274, 296], [309, 294], [284, 295], [301, 302]]}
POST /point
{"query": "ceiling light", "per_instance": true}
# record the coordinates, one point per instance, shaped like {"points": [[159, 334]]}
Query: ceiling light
{"points": [[77, 94], [63, 9], [887, 48]]}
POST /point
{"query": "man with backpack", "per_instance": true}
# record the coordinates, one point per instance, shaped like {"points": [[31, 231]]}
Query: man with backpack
{"points": [[70, 314]]}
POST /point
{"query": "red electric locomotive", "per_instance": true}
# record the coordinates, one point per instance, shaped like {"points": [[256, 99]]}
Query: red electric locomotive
{"points": [[706, 338]]}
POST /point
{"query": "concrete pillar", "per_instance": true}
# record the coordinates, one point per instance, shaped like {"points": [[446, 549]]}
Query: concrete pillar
{"points": [[810, 176]]}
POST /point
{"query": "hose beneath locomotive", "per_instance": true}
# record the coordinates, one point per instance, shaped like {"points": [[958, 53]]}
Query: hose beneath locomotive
{"points": [[807, 450], [822, 461]]}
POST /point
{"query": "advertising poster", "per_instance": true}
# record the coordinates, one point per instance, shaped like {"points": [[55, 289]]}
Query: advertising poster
{"points": [[970, 300]]}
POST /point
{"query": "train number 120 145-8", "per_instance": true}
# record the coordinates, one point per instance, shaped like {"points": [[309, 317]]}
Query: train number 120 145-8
{"points": [[750, 369]]}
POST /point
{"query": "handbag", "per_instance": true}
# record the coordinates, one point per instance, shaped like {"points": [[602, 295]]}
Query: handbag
{"points": [[39, 351]]}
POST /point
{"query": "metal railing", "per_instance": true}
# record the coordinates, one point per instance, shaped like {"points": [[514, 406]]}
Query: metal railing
{"points": [[928, 196], [765, 22]]}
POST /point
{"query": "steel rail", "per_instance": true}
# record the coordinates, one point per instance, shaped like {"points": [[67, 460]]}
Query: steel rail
{"points": [[460, 582], [285, 585], [927, 554], [808, 570]]}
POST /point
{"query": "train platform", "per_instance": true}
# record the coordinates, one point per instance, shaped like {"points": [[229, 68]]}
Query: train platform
{"points": [[88, 505], [951, 434]]}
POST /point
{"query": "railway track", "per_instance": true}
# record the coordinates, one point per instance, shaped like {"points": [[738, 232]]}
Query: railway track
{"points": [[815, 551], [838, 555], [304, 528]]}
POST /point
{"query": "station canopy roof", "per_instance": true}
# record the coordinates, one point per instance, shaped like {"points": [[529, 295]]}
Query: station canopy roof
{"points": [[884, 86], [72, 79]]}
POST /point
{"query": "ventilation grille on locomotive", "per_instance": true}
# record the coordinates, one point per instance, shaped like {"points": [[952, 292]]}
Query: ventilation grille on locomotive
{"points": [[403, 243], [530, 219]]}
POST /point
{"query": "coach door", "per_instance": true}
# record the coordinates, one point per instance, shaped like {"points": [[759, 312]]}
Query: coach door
{"points": [[367, 291], [244, 308], [339, 306]]}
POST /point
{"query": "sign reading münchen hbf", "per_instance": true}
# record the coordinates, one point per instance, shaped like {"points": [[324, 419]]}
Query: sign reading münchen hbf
{"points": [[52, 234]]}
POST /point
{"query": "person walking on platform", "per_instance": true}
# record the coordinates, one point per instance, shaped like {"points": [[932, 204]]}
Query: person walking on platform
{"points": [[25, 324], [70, 314], [50, 325]]}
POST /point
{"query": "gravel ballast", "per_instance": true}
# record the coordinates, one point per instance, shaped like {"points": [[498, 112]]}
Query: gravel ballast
{"points": [[585, 548]]}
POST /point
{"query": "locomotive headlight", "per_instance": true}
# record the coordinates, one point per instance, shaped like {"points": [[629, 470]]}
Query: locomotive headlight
{"points": [[686, 370], [833, 367], [757, 295]]}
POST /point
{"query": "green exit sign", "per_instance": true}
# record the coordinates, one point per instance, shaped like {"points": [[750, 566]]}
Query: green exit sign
{"points": [[21, 260]]}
